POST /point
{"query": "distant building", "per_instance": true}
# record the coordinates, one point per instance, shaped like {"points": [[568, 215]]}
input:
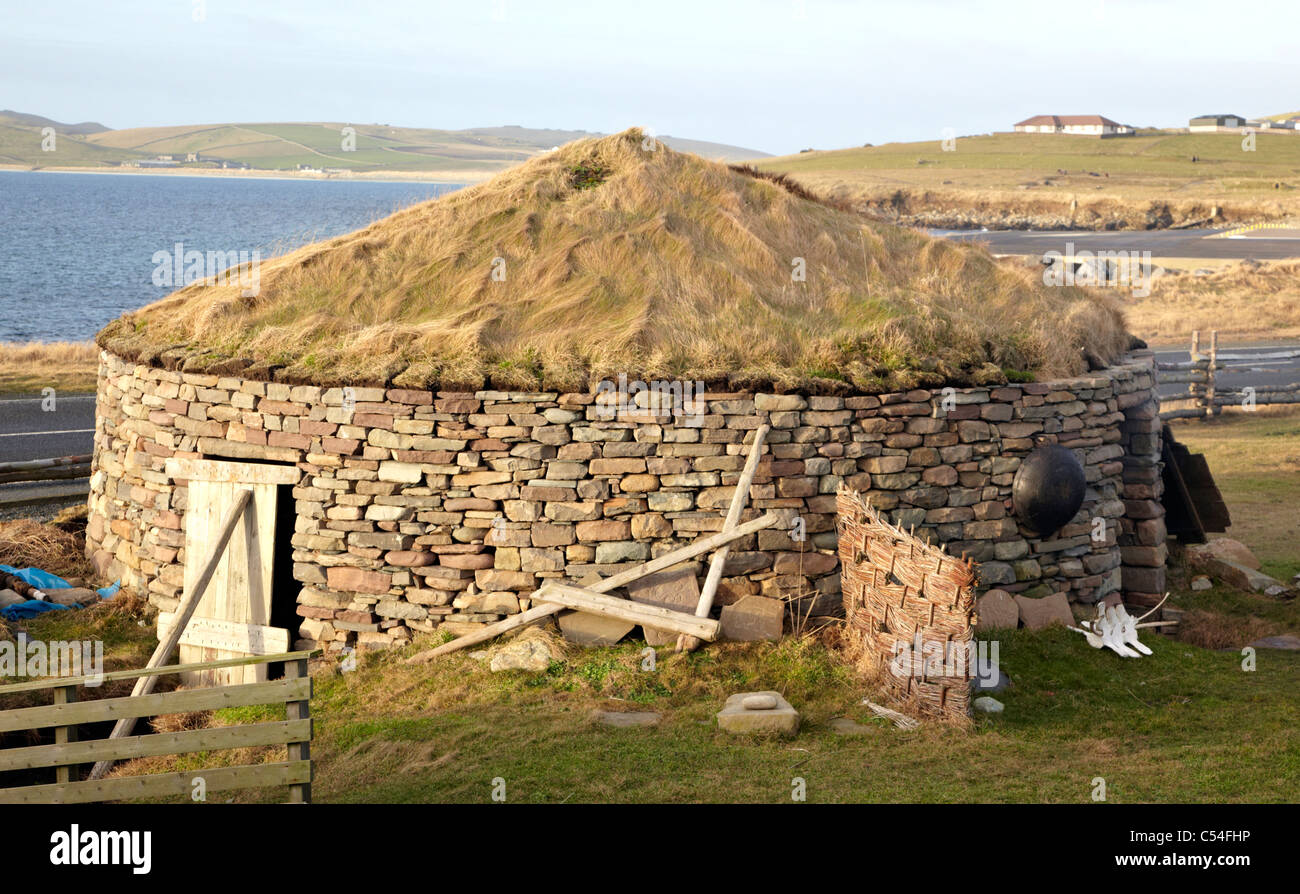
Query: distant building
{"points": [[1215, 123], [158, 163], [1270, 124], [1078, 125], [191, 156]]}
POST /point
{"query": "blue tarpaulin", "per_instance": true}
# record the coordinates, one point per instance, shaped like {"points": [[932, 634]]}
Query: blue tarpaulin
{"points": [[21, 611], [43, 580]]}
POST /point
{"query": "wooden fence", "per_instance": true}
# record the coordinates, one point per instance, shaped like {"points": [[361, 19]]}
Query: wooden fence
{"points": [[1204, 397], [57, 468], [67, 713]]}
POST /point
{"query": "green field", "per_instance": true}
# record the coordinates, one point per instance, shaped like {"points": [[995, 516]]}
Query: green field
{"points": [[1041, 174]]}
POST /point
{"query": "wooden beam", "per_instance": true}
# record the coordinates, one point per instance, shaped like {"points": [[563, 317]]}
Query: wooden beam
{"points": [[97, 679], [275, 732], [229, 636], [216, 779], [697, 547], [739, 499], [235, 473], [175, 702], [145, 685], [633, 612], [300, 748]]}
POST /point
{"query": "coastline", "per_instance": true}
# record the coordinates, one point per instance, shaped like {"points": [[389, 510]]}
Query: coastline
{"points": [[444, 177]]}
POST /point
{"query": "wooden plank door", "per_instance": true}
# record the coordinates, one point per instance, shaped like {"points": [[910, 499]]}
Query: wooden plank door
{"points": [[233, 616]]}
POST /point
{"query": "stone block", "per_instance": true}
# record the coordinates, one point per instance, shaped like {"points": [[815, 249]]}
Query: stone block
{"points": [[781, 720], [676, 589], [593, 630], [1040, 613], [752, 619], [997, 609]]}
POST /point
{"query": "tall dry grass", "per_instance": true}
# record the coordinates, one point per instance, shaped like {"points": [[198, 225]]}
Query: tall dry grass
{"points": [[623, 258], [32, 365], [1245, 301]]}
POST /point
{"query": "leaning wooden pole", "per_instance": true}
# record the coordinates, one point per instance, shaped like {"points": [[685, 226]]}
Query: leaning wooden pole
{"points": [[538, 612], [145, 685], [739, 500]]}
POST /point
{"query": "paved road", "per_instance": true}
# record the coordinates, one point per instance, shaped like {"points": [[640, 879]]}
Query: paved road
{"points": [[1244, 367], [1161, 243], [28, 432]]}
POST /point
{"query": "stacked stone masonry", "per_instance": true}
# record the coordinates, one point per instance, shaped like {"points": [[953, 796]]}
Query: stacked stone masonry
{"points": [[419, 511]]}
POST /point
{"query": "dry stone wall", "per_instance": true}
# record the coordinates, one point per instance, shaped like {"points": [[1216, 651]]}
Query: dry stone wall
{"points": [[419, 511]]}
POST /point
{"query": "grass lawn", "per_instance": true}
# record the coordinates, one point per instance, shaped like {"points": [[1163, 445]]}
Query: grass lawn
{"points": [[1188, 724]]}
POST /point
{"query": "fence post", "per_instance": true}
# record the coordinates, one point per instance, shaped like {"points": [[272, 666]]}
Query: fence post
{"points": [[1210, 408], [299, 793], [64, 734]]}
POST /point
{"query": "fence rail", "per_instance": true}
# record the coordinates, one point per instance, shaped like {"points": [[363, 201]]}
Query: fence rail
{"points": [[66, 753], [53, 469], [1204, 397]]}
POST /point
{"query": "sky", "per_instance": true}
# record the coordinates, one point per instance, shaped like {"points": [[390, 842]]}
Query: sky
{"points": [[772, 75]]}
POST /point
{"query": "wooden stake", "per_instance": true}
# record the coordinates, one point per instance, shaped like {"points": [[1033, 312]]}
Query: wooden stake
{"points": [[739, 499], [145, 685], [538, 612], [625, 610]]}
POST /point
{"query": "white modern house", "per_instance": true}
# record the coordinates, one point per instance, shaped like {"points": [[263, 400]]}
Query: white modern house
{"points": [[1078, 125], [1216, 123]]}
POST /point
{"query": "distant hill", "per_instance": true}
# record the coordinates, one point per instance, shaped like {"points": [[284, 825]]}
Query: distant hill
{"points": [[1151, 180], [22, 119], [471, 154]]}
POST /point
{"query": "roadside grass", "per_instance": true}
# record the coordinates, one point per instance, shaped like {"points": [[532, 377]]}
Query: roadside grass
{"points": [[1131, 182], [1242, 301], [28, 367]]}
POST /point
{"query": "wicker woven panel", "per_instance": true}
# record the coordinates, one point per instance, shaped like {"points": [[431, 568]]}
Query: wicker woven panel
{"points": [[897, 587]]}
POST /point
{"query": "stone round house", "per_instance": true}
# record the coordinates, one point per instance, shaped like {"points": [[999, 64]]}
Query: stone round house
{"points": [[445, 465]]}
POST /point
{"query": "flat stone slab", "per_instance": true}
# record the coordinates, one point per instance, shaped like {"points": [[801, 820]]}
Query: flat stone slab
{"points": [[783, 720], [593, 630], [753, 619], [979, 684], [9, 597], [530, 651], [1223, 548], [676, 589], [1287, 641], [624, 719], [1044, 612], [845, 727], [997, 608]]}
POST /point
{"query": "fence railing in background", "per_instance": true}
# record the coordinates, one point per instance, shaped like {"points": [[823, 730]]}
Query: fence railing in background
{"points": [[53, 469], [1204, 395], [66, 714]]}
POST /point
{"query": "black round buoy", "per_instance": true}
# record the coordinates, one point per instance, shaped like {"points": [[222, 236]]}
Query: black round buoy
{"points": [[1048, 488]]}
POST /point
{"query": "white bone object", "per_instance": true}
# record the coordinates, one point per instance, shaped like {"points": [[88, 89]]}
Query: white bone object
{"points": [[1115, 629]]}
